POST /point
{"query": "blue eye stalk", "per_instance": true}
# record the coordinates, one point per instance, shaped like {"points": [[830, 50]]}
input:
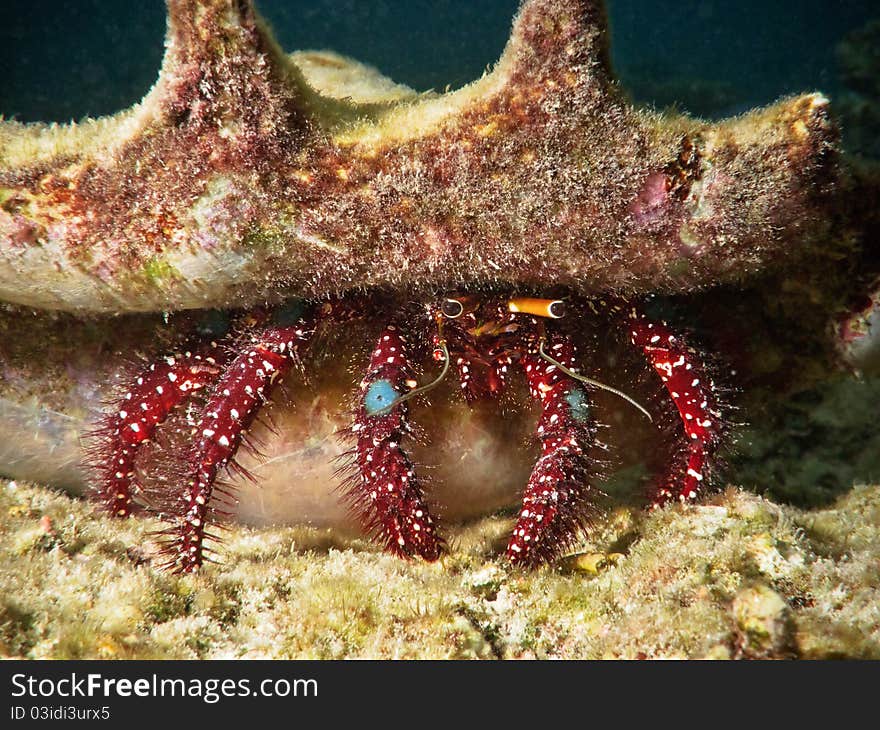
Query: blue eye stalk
{"points": [[380, 395]]}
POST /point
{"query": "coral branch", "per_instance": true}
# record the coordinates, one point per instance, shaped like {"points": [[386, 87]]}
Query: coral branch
{"points": [[383, 488], [556, 502], [695, 396]]}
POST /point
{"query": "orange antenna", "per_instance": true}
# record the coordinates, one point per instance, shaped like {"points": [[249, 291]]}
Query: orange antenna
{"points": [[550, 308]]}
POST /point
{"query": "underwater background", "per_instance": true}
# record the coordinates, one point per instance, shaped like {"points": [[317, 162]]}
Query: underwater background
{"points": [[66, 60]]}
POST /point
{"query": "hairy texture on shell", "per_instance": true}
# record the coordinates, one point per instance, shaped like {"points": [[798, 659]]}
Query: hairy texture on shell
{"points": [[239, 179]]}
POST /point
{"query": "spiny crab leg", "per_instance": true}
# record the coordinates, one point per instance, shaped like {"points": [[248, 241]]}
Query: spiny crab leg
{"points": [[556, 501], [694, 394], [242, 389], [155, 393], [383, 488]]}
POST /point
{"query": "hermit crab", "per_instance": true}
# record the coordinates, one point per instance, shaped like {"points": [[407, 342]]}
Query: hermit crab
{"points": [[484, 339], [481, 227]]}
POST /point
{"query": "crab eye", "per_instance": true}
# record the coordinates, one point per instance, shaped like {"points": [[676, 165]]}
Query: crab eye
{"points": [[556, 310], [452, 308], [380, 395]]}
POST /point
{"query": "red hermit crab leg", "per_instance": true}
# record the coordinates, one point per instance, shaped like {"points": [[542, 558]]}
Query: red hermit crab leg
{"points": [[383, 487], [245, 384], [694, 394], [555, 504], [150, 399]]}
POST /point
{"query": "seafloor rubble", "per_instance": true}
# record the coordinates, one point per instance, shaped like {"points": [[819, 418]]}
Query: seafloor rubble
{"points": [[737, 576]]}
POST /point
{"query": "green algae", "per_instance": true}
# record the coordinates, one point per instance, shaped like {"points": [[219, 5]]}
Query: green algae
{"points": [[805, 449], [157, 271]]}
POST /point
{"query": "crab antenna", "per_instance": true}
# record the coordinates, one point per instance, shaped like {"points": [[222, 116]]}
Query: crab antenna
{"points": [[441, 345], [589, 381]]}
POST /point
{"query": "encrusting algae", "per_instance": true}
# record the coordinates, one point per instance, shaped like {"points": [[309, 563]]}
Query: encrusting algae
{"points": [[735, 577]]}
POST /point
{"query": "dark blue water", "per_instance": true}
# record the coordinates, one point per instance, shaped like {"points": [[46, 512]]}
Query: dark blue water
{"points": [[63, 60]]}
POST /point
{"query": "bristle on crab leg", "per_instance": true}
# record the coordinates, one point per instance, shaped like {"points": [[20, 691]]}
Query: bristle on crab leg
{"points": [[383, 488], [242, 389], [694, 394], [133, 420], [557, 500]]}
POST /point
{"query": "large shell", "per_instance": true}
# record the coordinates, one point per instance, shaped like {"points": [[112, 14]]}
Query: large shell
{"points": [[247, 176]]}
